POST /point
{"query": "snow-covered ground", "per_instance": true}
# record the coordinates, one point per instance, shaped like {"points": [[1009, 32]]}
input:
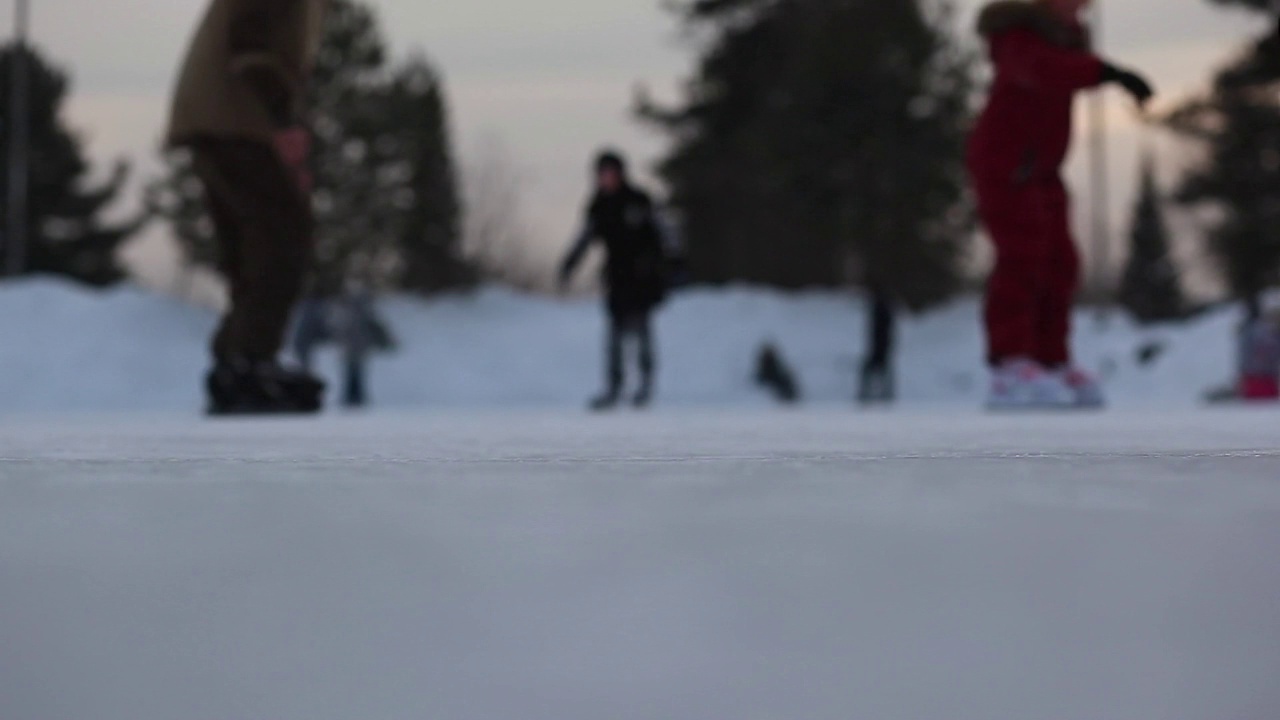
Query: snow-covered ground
{"points": [[684, 565], [68, 349], [480, 548]]}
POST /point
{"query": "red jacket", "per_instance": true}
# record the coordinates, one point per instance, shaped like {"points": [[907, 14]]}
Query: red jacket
{"points": [[1040, 65]]}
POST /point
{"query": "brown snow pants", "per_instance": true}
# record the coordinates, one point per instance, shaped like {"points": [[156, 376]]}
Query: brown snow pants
{"points": [[264, 230]]}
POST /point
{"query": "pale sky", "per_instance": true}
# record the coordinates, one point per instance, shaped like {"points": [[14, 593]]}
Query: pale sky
{"points": [[552, 79]]}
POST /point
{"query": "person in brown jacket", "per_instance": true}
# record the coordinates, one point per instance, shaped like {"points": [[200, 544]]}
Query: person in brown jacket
{"points": [[239, 109]]}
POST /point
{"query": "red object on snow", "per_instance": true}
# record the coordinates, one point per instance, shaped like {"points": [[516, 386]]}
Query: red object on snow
{"points": [[1260, 388], [1015, 157]]}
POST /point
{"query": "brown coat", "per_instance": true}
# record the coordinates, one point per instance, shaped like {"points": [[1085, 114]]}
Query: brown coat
{"points": [[241, 47]]}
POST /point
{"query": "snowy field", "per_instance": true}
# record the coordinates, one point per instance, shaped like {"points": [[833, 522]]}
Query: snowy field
{"points": [[67, 349], [685, 565]]}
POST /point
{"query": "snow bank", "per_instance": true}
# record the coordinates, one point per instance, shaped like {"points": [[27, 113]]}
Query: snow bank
{"points": [[68, 348], [71, 349]]}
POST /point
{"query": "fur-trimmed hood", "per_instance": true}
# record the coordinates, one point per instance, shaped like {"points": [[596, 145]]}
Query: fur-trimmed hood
{"points": [[1006, 15]]}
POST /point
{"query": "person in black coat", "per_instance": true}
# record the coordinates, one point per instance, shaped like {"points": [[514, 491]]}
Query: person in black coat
{"points": [[624, 220]]}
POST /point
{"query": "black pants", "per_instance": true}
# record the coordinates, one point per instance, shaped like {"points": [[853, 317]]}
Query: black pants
{"points": [[877, 383], [639, 328], [354, 394], [263, 225]]}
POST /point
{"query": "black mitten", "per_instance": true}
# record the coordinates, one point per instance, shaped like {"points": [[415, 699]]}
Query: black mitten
{"points": [[1133, 83]]}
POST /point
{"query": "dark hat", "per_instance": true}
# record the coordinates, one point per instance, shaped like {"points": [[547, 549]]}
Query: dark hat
{"points": [[611, 159]]}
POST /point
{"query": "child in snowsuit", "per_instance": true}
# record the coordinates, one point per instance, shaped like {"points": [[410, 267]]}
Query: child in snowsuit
{"points": [[625, 221], [1042, 57], [1260, 359], [359, 333], [351, 322], [311, 330]]}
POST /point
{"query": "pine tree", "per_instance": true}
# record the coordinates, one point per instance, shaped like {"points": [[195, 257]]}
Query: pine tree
{"points": [[429, 241], [66, 233], [353, 226], [386, 200], [178, 198], [1151, 289], [1238, 123], [821, 143]]}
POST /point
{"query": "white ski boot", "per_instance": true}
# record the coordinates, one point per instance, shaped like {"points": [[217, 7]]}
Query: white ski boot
{"points": [[1086, 388], [1024, 385]]}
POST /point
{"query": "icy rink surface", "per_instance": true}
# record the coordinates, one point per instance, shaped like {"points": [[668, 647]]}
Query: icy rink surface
{"points": [[675, 566]]}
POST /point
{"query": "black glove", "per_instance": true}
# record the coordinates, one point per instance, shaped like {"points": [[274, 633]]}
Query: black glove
{"points": [[1133, 83]]}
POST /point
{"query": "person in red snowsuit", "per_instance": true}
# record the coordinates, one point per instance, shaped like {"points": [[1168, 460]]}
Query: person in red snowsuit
{"points": [[1042, 56]]}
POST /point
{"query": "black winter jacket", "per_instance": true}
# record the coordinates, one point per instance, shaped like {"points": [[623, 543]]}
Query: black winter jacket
{"points": [[635, 269]]}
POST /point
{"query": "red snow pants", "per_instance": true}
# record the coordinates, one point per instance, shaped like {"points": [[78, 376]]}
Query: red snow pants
{"points": [[1030, 293]]}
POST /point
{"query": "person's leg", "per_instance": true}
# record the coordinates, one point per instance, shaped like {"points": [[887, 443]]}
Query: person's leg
{"points": [[354, 395], [306, 331], [264, 227], [1013, 220], [1061, 281], [875, 383], [227, 237], [615, 371], [260, 197], [303, 352], [882, 336], [642, 329], [1016, 218]]}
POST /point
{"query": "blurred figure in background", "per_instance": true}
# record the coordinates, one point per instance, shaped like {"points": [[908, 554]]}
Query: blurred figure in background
{"points": [[351, 322], [636, 273], [239, 109], [774, 373], [359, 332], [1043, 58], [311, 329], [877, 384], [1260, 357]]}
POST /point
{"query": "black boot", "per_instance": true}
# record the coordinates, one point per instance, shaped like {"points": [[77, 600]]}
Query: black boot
{"points": [[244, 387], [607, 400], [876, 385], [614, 372], [644, 396]]}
